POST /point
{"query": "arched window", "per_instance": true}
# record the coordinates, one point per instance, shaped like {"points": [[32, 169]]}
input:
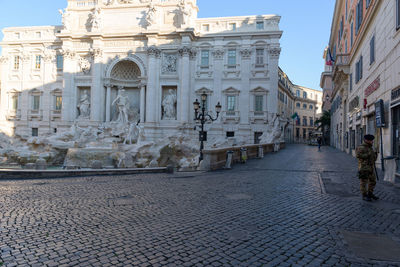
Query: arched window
{"points": [[297, 105], [311, 107]]}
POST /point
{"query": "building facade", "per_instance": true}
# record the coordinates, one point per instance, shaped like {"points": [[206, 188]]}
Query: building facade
{"points": [[286, 104], [154, 57], [308, 108], [364, 43]]}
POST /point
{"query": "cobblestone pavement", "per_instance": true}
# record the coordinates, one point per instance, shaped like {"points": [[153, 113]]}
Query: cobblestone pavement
{"points": [[271, 212]]}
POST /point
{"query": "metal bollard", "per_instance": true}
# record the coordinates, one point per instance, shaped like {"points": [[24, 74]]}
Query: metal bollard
{"points": [[229, 159], [243, 155]]}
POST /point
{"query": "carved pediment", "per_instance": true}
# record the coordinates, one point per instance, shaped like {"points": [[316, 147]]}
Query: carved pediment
{"points": [[204, 90]]}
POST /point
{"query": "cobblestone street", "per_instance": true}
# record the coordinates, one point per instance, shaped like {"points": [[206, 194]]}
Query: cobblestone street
{"points": [[293, 208]]}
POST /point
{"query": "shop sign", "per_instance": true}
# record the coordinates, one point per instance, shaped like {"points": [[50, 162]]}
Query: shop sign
{"points": [[380, 114], [354, 104], [395, 93], [373, 86]]}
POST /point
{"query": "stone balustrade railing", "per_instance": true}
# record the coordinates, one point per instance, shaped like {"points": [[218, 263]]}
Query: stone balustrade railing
{"points": [[215, 159]]}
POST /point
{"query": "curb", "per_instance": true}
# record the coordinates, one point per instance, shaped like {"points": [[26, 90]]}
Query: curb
{"points": [[51, 174]]}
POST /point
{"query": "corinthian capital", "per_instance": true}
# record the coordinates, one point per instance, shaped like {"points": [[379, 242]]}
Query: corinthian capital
{"points": [[274, 52], [153, 51]]}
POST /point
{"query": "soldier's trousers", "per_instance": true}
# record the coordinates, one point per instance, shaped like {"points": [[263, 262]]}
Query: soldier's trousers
{"points": [[367, 178]]}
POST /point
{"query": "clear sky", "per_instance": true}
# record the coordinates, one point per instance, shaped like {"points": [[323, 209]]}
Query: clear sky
{"points": [[306, 26]]}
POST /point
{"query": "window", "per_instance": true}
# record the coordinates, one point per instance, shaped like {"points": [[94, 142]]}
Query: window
{"points": [[16, 62], [259, 56], [397, 14], [38, 62], [14, 102], [231, 103], [311, 121], [359, 69], [35, 132], [232, 57], [347, 3], [38, 35], [259, 107], [297, 132], [206, 27], [36, 102], [372, 50], [359, 15], [17, 35], [232, 26], [297, 105], [230, 134], [351, 82], [260, 25], [205, 58], [60, 62], [304, 94], [58, 103], [351, 34], [311, 107], [304, 106], [304, 121], [298, 93]]}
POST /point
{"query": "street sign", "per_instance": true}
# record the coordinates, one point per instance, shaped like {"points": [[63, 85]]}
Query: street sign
{"points": [[380, 114]]}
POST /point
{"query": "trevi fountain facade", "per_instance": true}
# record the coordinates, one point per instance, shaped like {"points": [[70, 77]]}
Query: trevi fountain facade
{"points": [[116, 83]]}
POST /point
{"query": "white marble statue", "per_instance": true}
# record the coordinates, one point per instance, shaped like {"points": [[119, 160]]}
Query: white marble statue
{"points": [[122, 103], [151, 15], [185, 12], [85, 65], [84, 106], [273, 134], [169, 105], [133, 134], [95, 19], [66, 18]]}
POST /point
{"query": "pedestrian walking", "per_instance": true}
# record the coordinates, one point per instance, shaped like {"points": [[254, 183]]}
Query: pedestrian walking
{"points": [[366, 168], [319, 140]]}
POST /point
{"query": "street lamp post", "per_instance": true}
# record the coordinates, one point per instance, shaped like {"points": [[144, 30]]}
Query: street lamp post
{"points": [[203, 117]]}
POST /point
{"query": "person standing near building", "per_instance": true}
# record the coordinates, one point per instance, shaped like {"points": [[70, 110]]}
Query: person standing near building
{"points": [[366, 168], [319, 140]]}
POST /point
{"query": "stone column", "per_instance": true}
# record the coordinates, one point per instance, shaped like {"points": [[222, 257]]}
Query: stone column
{"points": [[97, 90], [151, 95], [245, 84], [274, 53], [69, 110], [142, 102], [184, 100], [108, 102]]}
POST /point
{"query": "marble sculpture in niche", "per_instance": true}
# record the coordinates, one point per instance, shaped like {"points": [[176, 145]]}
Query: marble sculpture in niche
{"points": [[169, 105]]}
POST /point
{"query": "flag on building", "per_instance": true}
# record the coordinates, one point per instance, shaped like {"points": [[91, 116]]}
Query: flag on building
{"points": [[329, 58]]}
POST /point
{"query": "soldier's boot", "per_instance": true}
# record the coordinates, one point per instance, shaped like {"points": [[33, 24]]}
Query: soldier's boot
{"points": [[372, 196], [366, 197]]}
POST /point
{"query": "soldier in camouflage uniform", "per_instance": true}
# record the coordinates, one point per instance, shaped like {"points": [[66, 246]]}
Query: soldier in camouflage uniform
{"points": [[366, 168]]}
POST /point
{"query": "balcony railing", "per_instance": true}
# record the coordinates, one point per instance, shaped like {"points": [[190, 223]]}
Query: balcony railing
{"points": [[13, 114], [35, 113], [342, 60], [230, 116], [258, 116]]}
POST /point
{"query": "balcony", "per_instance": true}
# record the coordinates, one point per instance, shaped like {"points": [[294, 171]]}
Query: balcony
{"points": [[258, 116], [55, 115], [35, 114], [341, 66], [230, 116], [13, 114]]}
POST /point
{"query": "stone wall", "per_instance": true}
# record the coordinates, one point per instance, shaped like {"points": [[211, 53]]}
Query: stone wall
{"points": [[215, 159]]}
